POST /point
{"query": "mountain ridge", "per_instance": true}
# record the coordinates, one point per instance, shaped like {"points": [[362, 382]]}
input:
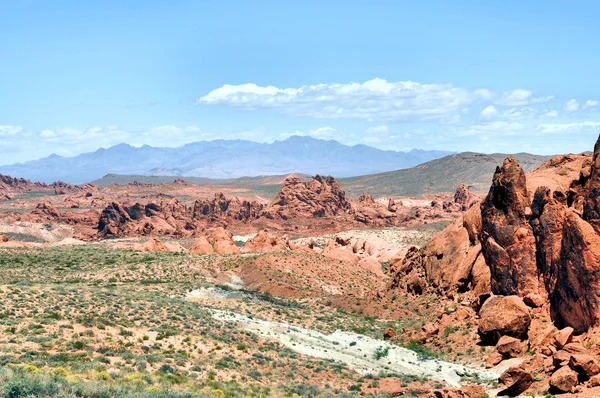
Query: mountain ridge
{"points": [[222, 159]]}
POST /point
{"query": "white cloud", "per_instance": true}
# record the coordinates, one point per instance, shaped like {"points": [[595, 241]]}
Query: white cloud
{"points": [[489, 113], [590, 104], [378, 100], [378, 130], [484, 94], [572, 105], [553, 113], [567, 127], [520, 97], [520, 113], [6, 130], [375, 99]]}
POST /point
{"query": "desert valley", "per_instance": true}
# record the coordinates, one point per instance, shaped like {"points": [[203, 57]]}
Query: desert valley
{"points": [[286, 285], [223, 199]]}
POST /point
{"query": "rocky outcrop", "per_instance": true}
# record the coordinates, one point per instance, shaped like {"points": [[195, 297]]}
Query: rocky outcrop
{"points": [[450, 263], [222, 241], [166, 218], [174, 218], [368, 211], [222, 207], [321, 197], [265, 242], [4, 196], [20, 184], [46, 209], [201, 246], [508, 243], [217, 241], [465, 198], [543, 244]]}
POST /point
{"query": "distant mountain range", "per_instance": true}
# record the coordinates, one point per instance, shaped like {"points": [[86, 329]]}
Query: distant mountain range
{"points": [[439, 175], [222, 159]]}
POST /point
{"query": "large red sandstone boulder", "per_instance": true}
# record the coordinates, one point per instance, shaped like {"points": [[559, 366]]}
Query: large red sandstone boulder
{"points": [[222, 241], [265, 242], [516, 380], [584, 364], [564, 379], [510, 347], [3, 238], [503, 316]]}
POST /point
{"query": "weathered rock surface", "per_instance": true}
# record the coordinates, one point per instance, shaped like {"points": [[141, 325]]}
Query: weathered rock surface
{"points": [[465, 198], [516, 380], [510, 347], [222, 241], [265, 242], [223, 207], [507, 237], [321, 197], [564, 379], [202, 246], [451, 262], [503, 316]]}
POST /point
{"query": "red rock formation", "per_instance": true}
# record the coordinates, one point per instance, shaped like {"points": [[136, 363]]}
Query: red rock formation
{"points": [[321, 197], [368, 211], [46, 209], [265, 242], [451, 262], [20, 184], [201, 246], [222, 241], [544, 245], [508, 243], [174, 218], [465, 198], [222, 207]]}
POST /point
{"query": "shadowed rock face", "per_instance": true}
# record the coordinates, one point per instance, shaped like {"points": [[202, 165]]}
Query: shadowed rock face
{"points": [[506, 235]]}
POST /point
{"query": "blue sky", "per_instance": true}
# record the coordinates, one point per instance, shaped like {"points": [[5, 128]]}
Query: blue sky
{"points": [[487, 76]]}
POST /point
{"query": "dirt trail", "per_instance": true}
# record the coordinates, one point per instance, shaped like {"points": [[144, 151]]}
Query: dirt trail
{"points": [[356, 351]]}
